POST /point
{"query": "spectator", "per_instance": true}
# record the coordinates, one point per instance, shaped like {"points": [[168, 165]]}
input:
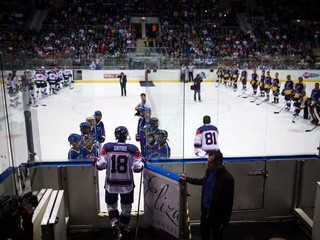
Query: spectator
{"points": [[216, 197]]}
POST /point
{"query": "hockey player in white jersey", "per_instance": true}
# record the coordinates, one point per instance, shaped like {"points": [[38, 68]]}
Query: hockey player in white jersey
{"points": [[28, 85], [120, 159], [206, 139], [67, 77], [40, 78], [53, 80], [13, 88]]}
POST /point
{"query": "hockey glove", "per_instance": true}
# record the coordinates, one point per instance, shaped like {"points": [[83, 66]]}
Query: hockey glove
{"points": [[101, 139], [94, 161]]}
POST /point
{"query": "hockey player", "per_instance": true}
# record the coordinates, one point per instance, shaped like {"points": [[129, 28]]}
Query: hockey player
{"points": [[287, 91], [299, 87], [75, 142], [30, 86], [67, 77], [243, 78], [300, 104], [13, 88], [219, 74], [89, 150], [267, 85], [120, 159], [53, 80], [161, 149], [92, 125], [226, 76], [234, 77], [262, 83], [85, 130], [150, 131], [206, 138], [314, 108], [254, 81], [140, 135], [41, 77], [275, 86], [60, 82], [100, 131]]}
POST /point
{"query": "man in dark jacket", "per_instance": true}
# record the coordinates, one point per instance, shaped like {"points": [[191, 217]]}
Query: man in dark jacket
{"points": [[123, 83], [197, 87], [216, 197]]}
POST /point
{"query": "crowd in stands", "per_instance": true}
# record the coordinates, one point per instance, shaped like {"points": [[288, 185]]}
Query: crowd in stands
{"points": [[87, 30]]}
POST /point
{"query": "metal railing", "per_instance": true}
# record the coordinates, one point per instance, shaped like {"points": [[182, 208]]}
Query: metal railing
{"points": [[152, 57]]}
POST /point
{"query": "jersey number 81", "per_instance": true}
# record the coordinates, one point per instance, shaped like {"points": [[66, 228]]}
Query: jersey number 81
{"points": [[210, 138]]}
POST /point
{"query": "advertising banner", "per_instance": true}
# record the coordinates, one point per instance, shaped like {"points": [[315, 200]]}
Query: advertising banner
{"points": [[161, 199]]}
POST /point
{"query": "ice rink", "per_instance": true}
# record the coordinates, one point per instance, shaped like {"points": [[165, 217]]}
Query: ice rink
{"points": [[246, 129]]}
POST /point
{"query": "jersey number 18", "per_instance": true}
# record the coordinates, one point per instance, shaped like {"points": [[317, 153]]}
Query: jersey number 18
{"points": [[119, 164]]}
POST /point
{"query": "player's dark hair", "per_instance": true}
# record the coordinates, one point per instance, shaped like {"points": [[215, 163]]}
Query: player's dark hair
{"points": [[206, 119], [142, 94], [218, 156]]}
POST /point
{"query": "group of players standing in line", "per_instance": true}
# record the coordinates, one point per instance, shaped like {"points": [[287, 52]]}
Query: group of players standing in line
{"points": [[153, 141], [120, 159], [39, 84], [265, 84], [87, 144]]}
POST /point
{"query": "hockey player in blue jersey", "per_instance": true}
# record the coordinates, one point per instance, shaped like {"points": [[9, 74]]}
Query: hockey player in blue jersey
{"points": [[92, 124], [287, 91], [75, 142], [150, 131], [314, 106], [89, 150], [120, 159], [206, 138], [160, 149], [140, 135], [244, 79], [100, 132], [85, 130]]}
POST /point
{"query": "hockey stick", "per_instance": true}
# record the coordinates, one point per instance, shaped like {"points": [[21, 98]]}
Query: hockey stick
{"points": [[138, 212], [248, 95], [280, 109], [309, 130], [217, 85], [264, 100], [255, 99], [244, 91], [42, 104]]}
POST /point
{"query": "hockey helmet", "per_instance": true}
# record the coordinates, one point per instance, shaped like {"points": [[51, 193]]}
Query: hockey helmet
{"points": [[121, 133], [162, 135], [84, 125], [97, 113], [74, 138], [154, 122]]}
